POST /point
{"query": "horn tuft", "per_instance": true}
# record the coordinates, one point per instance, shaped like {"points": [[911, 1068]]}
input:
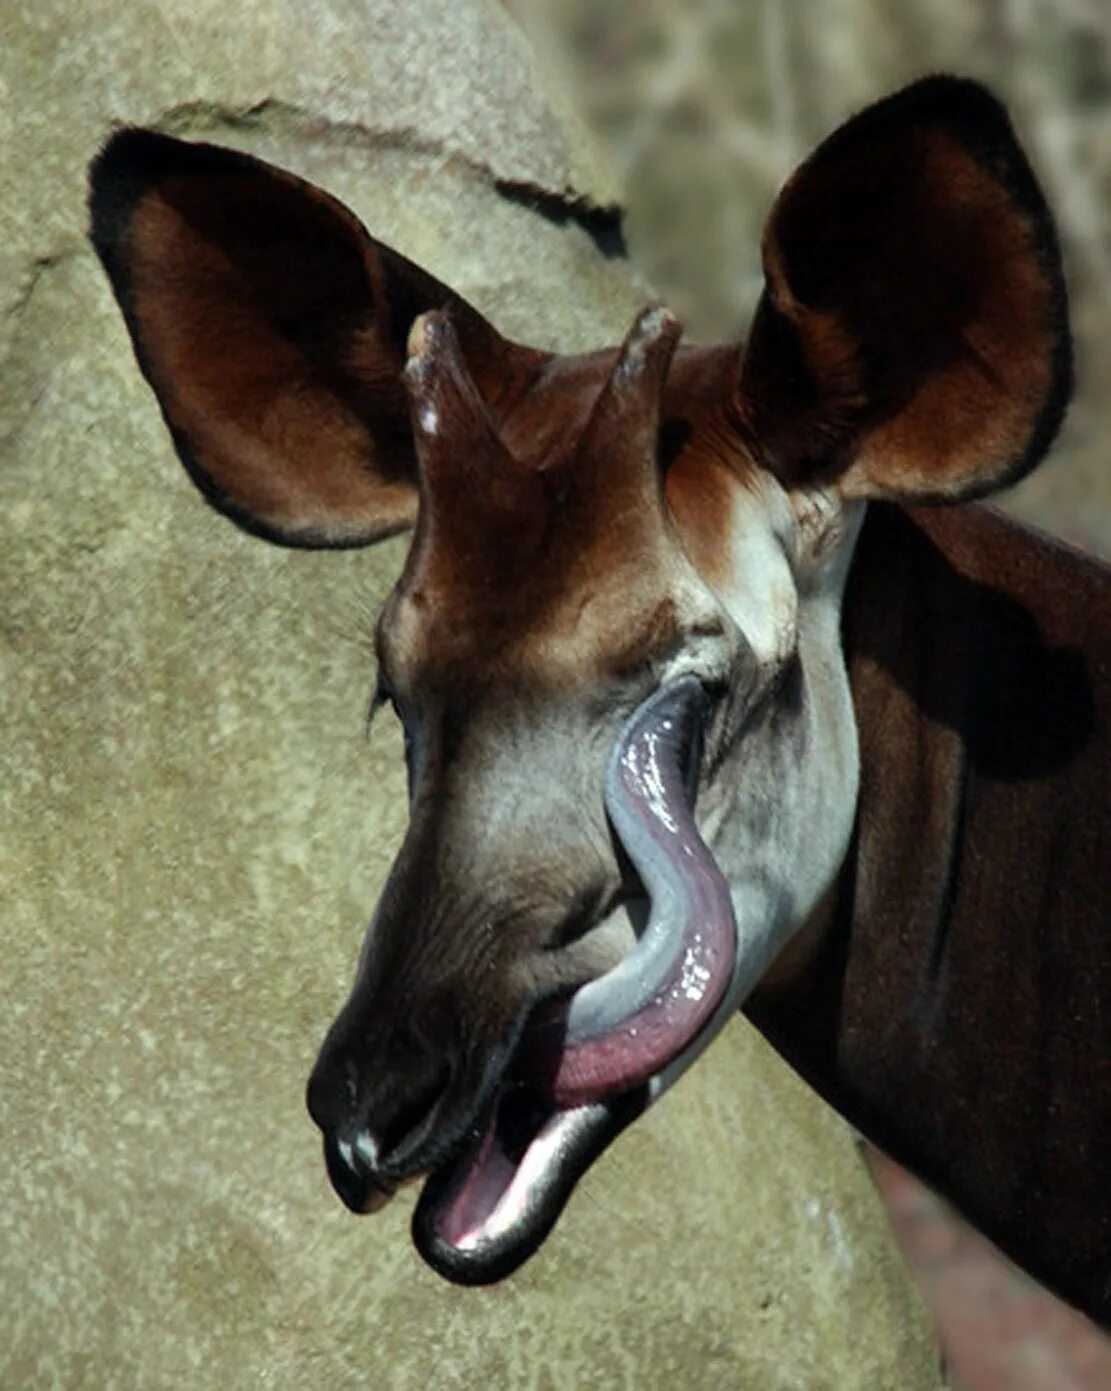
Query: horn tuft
{"points": [[618, 449], [650, 343]]}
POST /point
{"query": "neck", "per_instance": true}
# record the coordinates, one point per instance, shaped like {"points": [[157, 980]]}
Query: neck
{"points": [[956, 1003]]}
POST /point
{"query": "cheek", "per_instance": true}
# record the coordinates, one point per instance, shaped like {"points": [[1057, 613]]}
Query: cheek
{"points": [[600, 947], [781, 809], [538, 813]]}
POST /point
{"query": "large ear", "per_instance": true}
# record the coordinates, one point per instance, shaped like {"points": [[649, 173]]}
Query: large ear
{"points": [[273, 329], [912, 339]]}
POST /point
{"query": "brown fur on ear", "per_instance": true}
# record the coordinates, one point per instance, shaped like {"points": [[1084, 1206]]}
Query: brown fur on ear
{"points": [[912, 339], [272, 329]]}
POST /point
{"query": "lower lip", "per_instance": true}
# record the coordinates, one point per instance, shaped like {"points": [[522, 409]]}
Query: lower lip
{"points": [[481, 1218], [498, 1190]]}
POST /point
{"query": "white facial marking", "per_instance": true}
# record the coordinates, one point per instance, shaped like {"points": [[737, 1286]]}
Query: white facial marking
{"points": [[760, 591]]}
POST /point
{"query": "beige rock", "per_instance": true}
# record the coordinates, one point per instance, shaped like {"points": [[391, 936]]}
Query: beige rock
{"points": [[193, 823]]}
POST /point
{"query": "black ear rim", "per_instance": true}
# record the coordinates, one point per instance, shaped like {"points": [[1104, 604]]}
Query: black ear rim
{"points": [[132, 162], [306, 538], [982, 125]]}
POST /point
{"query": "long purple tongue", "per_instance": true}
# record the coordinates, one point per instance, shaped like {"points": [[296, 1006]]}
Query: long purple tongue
{"points": [[624, 1027]]}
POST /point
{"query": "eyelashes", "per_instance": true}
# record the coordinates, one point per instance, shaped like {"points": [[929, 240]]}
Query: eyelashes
{"points": [[383, 695]]}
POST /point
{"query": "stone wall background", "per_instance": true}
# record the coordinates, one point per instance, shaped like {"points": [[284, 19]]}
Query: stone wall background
{"points": [[193, 824]]}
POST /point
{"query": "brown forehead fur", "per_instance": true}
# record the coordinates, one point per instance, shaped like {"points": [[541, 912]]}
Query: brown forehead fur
{"points": [[543, 590]]}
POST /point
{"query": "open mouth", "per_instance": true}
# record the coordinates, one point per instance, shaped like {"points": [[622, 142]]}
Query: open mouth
{"points": [[586, 1069], [489, 1209]]}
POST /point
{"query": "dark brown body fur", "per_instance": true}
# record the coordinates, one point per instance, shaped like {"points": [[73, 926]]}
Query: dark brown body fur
{"points": [[959, 1009]]}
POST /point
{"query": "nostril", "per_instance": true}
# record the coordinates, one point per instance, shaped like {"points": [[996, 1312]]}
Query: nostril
{"points": [[366, 1147]]}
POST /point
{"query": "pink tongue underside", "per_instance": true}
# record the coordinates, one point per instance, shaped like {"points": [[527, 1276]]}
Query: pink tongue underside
{"points": [[639, 1017]]}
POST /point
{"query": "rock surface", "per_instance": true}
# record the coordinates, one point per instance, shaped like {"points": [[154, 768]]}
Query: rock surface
{"points": [[193, 824]]}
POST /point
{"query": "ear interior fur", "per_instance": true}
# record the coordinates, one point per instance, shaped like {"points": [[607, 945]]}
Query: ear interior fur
{"points": [[912, 338], [272, 329]]}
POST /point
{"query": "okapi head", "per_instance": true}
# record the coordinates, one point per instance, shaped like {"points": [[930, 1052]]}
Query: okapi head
{"points": [[614, 646]]}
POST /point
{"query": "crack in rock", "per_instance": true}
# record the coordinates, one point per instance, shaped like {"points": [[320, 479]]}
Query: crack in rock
{"points": [[26, 284], [602, 223]]}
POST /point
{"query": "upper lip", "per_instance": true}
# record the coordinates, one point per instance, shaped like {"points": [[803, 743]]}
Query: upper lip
{"points": [[365, 1180], [436, 1139]]}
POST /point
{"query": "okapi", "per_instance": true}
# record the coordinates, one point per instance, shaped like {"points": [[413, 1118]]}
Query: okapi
{"points": [[707, 702]]}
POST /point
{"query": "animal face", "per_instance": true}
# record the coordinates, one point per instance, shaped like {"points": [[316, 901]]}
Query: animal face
{"points": [[615, 645]]}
